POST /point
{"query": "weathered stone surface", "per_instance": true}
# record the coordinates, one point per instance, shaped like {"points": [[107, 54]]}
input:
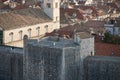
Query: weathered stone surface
{"points": [[11, 64], [48, 59], [102, 68]]}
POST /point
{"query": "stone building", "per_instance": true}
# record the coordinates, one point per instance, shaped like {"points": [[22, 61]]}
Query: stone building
{"points": [[54, 58], [11, 63], [31, 21], [102, 68], [113, 26]]}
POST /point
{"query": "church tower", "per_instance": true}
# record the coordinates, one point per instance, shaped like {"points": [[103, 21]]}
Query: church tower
{"points": [[52, 9]]}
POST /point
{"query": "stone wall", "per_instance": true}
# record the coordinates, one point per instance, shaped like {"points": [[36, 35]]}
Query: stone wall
{"points": [[102, 68], [48, 59], [71, 64], [42, 63], [11, 64]]}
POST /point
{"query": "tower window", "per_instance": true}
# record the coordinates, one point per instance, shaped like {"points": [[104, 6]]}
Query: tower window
{"points": [[56, 18], [48, 5], [56, 5]]}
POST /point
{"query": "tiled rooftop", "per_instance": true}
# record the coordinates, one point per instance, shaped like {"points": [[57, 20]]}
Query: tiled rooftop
{"points": [[105, 49], [69, 30], [70, 12], [21, 18]]}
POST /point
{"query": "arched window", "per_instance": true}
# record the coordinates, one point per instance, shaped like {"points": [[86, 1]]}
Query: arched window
{"points": [[56, 5], [11, 36], [56, 18], [38, 31], [46, 29], [20, 34], [29, 32]]}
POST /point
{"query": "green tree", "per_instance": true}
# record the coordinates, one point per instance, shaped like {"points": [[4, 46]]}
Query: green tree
{"points": [[108, 38]]}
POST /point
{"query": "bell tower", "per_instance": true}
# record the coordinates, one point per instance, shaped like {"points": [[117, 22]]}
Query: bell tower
{"points": [[52, 9]]}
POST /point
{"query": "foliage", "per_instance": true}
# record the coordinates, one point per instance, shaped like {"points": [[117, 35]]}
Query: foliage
{"points": [[109, 38]]}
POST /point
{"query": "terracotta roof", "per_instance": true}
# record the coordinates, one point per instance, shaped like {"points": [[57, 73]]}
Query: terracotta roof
{"points": [[2, 6], [27, 2], [3, 0], [95, 23], [114, 5], [97, 26], [105, 49], [70, 12], [22, 18], [20, 7]]}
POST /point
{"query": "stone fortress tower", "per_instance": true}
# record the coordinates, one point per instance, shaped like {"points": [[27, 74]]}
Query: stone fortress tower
{"points": [[54, 58]]}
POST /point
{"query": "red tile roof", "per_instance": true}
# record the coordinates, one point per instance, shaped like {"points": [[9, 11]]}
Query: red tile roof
{"points": [[62, 32], [2, 6], [105, 49], [96, 25], [70, 12], [20, 7], [3, 0]]}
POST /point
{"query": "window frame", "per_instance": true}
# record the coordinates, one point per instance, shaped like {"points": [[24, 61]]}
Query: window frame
{"points": [[46, 28], [11, 36], [38, 31], [20, 35], [29, 32], [48, 5]]}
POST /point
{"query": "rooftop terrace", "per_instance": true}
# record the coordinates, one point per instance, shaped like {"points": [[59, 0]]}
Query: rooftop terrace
{"points": [[53, 42]]}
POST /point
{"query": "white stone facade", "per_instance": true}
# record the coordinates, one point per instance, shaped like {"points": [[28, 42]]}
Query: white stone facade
{"points": [[51, 10], [86, 45], [114, 30], [36, 30]]}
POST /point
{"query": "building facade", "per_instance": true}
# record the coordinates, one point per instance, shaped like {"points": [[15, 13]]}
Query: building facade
{"points": [[54, 58], [31, 21], [113, 27]]}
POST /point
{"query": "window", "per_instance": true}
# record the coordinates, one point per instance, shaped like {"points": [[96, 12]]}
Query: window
{"points": [[56, 5], [1, 37], [48, 5], [56, 18], [11, 36], [46, 28], [20, 35], [29, 32], [38, 31], [91, 53]]}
